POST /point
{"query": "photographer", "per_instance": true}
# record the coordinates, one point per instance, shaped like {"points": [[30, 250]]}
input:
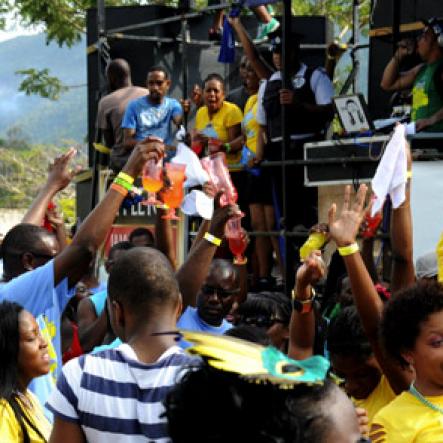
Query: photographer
{"points": [[426, 79]]}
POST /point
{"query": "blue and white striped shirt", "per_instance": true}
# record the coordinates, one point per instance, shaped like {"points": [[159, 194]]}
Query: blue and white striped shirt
{"points": [[115, 397]]}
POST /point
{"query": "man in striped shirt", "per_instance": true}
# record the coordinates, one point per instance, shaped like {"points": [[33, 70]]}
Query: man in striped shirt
{"points": [[116, 395]]}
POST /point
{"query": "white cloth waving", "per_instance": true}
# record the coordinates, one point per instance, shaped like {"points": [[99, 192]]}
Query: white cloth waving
{"points": [[391, 175]]}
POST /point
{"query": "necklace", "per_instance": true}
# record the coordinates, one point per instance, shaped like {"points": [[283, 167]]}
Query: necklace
{"points": [[424, 400]]}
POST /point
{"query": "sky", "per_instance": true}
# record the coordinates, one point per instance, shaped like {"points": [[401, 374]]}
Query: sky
{"points": [[14, 29]]}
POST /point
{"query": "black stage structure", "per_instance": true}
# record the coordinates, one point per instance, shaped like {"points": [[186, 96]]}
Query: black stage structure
{"points": [[150, 35]]}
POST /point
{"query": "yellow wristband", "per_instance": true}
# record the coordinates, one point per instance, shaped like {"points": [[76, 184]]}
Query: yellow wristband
{"points": [[212, 239], [409, 174], [126, 177], [348, 250]]}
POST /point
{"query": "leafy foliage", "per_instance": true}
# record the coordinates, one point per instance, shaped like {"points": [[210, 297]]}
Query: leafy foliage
{"points": [[338, 11], [41, 83], [63, 20]]}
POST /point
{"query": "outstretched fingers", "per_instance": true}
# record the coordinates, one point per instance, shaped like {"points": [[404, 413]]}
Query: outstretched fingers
{"points": [[331, 214], [360, 199], [346, 199]]}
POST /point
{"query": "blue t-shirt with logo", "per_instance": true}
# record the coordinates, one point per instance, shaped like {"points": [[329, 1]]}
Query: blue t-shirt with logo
{"points": [[35, 291], [151, 119], [191, 321]]}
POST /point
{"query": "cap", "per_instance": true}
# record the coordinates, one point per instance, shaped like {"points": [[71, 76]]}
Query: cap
{"points": [[277, 40], [435, 23], [426, 265]]}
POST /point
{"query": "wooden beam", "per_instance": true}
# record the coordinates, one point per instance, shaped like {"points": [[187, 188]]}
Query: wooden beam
{"points": [[407, 27]]}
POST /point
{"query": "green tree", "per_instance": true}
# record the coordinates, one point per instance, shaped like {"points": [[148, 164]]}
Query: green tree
{"points": [[41, 83]]}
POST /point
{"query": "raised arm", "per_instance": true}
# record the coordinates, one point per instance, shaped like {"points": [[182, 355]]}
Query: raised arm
{"points": [[262, 70], [58, 178], [403, 272], [393, 79], [73, 262], [344, 231], [58, 225], [164, 239], [194, 270], [302, 323]]}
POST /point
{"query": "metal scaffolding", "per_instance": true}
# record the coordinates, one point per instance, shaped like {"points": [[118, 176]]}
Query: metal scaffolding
{"points": [[101, 46]]}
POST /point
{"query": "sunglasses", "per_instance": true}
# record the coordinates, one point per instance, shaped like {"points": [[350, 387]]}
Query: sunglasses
{"points": [[221, 293], [261, 321], [156, 82], [45, 256]]}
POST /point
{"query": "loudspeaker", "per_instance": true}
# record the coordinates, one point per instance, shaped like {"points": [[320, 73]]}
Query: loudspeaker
{"points": [[381, 47], [343, 161], [201, 58]]}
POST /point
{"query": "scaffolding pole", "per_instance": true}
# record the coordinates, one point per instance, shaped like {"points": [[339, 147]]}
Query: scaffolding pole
{"points": [[101, 49], [286, 83]]}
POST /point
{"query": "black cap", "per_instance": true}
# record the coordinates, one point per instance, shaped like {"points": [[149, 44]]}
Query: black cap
{"points": [[434, 23], [277, 40]]}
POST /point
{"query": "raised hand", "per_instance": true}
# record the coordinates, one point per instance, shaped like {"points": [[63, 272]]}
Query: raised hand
{"points": [[221, 215], [405, 47], [209, 189], [344, 230], [310, 272], [60, 174], [54, 217], [151, 148]]}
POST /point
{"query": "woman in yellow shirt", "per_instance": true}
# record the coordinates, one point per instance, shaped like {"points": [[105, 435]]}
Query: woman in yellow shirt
{"points": [[24, 354], [412, 331], [220, 119]]}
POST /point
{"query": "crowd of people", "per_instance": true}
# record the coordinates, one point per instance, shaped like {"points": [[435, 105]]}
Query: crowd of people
{"points": [[345, 358]]}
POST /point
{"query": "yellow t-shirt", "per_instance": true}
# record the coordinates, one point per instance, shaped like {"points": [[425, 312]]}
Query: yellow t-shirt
{"points": [[381, 396], [217, 127], [250, 125], [10, 430], [407, 420]]}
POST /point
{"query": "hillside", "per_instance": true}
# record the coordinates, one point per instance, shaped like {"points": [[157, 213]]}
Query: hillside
{"points": [[41, 120]]}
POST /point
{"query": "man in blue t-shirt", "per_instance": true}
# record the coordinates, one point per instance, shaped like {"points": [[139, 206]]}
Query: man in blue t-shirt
{"points": [[214, 301], [153, 113]]}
